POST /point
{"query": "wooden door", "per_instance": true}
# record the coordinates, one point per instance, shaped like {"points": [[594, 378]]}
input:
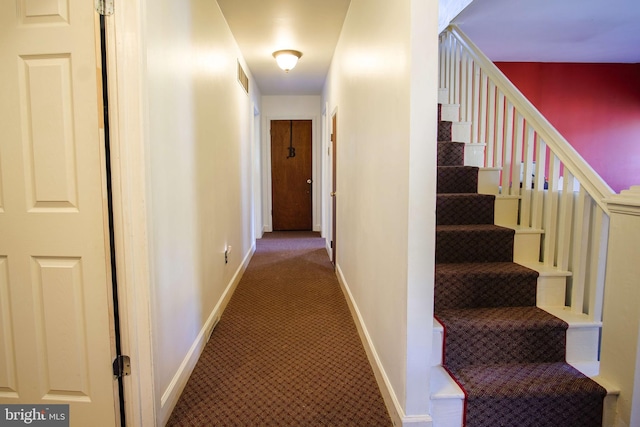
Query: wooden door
{"points": [[334, 185], [291, 174], [55, 308]]}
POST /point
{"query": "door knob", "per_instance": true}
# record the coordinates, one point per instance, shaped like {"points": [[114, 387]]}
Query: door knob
{"points": [[309, 181], [333, 194]]}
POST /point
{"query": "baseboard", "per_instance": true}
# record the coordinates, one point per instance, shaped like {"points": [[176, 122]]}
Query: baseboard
{"points": [[394, 408], [179, 381]]}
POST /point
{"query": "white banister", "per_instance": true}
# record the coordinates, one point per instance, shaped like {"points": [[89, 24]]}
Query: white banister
{"points": [[569, 157], [560, 195]]}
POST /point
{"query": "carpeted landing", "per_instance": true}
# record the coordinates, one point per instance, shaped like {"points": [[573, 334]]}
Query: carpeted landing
{"points": [[286, 351], [506, 354]]}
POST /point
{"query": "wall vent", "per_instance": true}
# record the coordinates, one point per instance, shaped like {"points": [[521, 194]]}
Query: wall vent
{"points": [[242, 78]]}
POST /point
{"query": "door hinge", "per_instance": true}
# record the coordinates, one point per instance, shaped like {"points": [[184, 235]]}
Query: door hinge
{"points": [[121, 366], [104, 7], [332, 244]]}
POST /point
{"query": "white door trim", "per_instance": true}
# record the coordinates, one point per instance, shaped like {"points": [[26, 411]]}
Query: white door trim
{"points": [[127, 113], [267, 201]]}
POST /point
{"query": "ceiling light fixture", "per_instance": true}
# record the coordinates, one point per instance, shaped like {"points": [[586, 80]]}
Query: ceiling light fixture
{"points": [[287, 59]]}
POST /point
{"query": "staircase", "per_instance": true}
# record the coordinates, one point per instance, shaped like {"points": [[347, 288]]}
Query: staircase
{"points": [[521, 251], [505, 353]]}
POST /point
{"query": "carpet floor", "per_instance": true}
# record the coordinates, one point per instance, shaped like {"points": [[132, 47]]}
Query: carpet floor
{"points": [[286, 351]]}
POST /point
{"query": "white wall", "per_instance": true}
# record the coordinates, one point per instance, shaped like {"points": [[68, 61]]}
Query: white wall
{"points": [[292, 108], [383, 83], [620, 352], [199, 147]]}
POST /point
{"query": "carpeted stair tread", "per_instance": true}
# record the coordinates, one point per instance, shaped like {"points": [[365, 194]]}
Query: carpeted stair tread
{"points": [[465, 208], [457, 179], [488, 336], [530, 395], [450, 153], [506, 354], [474, 243], [487, 284], [444, 130]]}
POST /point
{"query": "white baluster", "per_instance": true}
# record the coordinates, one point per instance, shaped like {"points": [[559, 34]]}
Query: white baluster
{"points": [[582, 221]]}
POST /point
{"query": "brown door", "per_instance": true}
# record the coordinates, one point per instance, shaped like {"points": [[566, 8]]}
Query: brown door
{"points": [[334, 140], [291, 174]]}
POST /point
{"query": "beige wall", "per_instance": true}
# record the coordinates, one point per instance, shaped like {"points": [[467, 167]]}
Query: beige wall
{"points": [[199, 149], [382, 83]]}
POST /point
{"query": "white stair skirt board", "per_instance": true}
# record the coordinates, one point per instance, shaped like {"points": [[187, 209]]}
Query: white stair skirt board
{"points": [[461, 132], [506, 211], [489, 181], [447, 399], [474, 154], [526, 245], [450, 112], [438, 342], [552, 284], [443, 96], [583, 337]]}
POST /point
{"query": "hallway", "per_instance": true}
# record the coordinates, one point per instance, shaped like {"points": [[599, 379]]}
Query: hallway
{"points": [[286, 351]]}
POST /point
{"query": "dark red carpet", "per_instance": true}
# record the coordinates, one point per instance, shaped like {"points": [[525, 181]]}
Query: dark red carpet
{"points": [[286, 351]]}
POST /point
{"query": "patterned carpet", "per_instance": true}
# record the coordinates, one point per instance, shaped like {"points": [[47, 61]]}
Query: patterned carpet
{"points": [[506, 354], [286, 351]]}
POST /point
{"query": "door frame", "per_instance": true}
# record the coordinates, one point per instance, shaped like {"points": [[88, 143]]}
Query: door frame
{"points": [[333, 142], [126, 68], [316, 185]]}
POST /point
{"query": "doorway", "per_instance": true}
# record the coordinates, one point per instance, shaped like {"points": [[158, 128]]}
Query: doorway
{"points": [[291, 174], [334, 185], [56, 301]]}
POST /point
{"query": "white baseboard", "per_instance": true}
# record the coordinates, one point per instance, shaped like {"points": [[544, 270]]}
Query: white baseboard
{"points": [[396, 412], [179, 381]]}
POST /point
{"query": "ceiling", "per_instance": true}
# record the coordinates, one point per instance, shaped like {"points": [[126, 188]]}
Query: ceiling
{"points": [[506, 30], [554, 30], [261, 27]]}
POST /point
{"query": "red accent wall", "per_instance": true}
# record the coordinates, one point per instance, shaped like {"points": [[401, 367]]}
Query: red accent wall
{"points": [[596, 107]]}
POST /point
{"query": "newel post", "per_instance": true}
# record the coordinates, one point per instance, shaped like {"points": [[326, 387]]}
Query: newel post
{"points": [[620, 354]]}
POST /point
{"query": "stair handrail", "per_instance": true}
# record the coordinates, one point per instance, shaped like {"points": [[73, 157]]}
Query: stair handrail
{"points": [[597, 188]]}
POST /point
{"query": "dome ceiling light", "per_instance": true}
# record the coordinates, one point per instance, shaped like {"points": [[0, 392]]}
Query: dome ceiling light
{"points": [[287, 59]]}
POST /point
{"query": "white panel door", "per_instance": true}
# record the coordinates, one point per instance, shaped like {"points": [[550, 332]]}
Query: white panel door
{"points": [[55, 340]]}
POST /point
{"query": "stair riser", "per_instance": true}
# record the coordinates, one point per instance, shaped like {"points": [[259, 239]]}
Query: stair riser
{"points": [[484, 347], [581, 344], [450, 153], [457, 180], [501, 293], [465, 209], [476, 246]]}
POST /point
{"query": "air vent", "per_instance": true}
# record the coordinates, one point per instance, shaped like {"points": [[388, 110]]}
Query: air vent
{"points": [[242, 78]]}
